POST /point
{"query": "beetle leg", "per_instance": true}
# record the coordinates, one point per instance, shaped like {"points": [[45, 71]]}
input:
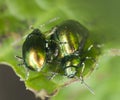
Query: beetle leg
{"points": [[83, 64], [21, 64], [27, 73], [87, 86], [83, 67], [19, 58], [52, 76], [90, 47]]}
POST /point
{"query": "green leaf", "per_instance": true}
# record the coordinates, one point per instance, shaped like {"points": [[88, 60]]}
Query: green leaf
{"points": [[100, 17]]}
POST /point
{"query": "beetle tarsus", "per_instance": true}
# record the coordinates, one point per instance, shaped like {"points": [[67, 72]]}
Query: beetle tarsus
{"points": [[87, 86]]}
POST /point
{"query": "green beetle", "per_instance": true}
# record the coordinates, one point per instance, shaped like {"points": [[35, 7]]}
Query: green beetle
{"points": [[33, 50], [67, 46], [37, 51], [66, 50], [77, 53]]}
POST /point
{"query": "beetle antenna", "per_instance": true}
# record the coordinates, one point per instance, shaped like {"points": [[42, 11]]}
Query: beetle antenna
{"points": [[50, 21], [53, 20], [51, 32], [87, 86], [19, 58]]}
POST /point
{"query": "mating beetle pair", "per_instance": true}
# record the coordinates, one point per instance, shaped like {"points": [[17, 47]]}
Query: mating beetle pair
{"points": [[68, 45]]}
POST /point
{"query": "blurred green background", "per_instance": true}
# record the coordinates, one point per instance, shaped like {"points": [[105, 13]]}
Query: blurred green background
{"points": [[101, 17]]}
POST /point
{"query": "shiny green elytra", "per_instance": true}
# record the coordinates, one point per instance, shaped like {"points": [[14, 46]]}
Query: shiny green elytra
{"points": [[77, 52], [37, 51], [67, 49], [33, 50]]}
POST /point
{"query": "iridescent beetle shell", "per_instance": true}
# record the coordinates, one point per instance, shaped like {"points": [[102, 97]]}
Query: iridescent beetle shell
{"points": [[33, 50], [67, 49], [72, 39]]}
